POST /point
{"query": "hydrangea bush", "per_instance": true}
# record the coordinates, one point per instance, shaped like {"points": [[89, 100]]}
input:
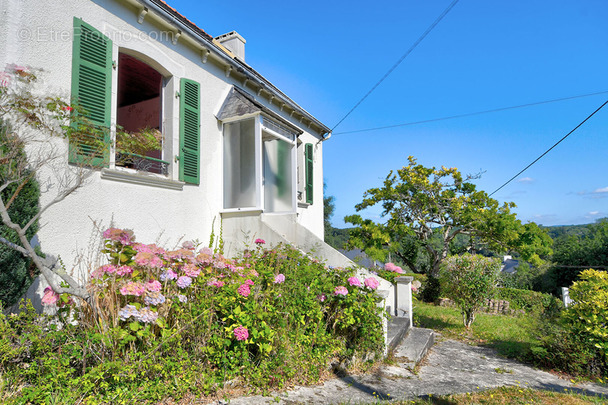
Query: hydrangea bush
{"points": [[189, 319]]}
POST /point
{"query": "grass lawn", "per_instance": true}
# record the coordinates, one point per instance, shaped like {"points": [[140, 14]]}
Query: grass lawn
{"points": [[511, 336]]}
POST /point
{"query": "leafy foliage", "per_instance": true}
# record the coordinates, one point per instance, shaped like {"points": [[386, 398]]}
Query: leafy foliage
{"points": [[422, 202], [173, 323], [469, 280], [16, 271], [589, 312], [574, 253], [140, 142], [530, 301]]}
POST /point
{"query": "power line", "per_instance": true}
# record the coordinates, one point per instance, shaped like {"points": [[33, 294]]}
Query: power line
{"points": [[548, 150], [418, 41], [451, 117]]}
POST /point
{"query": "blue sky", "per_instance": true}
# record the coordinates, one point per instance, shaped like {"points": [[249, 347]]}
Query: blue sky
{"points": [[485, 54]]}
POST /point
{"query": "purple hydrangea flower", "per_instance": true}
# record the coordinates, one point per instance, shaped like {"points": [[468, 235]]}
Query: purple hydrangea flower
{"points": [[128, 312], [146, 315], [154, 298], [184, 282]]}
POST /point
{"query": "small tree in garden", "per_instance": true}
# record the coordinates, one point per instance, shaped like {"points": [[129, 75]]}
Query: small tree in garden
{"points": [[469, 280], [40, 124]]}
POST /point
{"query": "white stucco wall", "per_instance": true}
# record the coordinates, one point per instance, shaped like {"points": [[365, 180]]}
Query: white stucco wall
{"points": [[38, 33]]}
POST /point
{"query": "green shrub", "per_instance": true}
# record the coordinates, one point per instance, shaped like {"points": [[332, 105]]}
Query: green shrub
{"points": [[182, 322], [577, 341], [530, 301], [469, 280], [16, 271], [588, 313], [561, 348]]}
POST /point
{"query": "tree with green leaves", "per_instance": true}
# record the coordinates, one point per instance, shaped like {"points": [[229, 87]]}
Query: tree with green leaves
{"points": [[469, 280], [574, 253], [426, 208]]}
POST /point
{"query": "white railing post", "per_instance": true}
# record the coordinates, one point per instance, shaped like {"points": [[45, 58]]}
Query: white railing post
{"points": [[566, 297], [381, 303], [403, 297]]}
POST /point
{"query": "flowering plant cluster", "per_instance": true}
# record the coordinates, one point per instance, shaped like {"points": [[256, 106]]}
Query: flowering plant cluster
{"points": [[273, 308], [393, 268]]}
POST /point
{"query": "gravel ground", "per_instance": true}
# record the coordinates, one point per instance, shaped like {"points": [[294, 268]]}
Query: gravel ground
{"points": [[451, 367]]}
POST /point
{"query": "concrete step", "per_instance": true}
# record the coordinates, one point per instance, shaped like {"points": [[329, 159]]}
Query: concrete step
{"points": [[397, 329], [414, 347]]}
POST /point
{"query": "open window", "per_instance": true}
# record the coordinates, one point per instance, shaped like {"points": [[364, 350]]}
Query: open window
{"points": [[139, 137], [141, 141]]}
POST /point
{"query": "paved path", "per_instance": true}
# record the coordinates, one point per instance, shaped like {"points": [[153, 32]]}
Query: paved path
{"points": [[451, 367]]}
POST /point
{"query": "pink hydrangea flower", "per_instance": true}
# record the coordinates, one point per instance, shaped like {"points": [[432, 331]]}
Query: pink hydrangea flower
{"points": [[184, 281], [206, 251], [124, 236], [254, 273], [244, 290], [148, 259], [153, 286], [191, 270], [321, 297], [249, 282], [108, 268], [340, 290], [133, 288], [371, 283], [354, 281], [215, 283], [259, 241], [279, 279], [50, 297], [188, 245], [393, 267], [97, 273], [124, 270], [241, 333]]}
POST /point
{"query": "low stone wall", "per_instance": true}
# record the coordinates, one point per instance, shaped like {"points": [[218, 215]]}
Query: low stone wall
{"points": [[490, 307]]}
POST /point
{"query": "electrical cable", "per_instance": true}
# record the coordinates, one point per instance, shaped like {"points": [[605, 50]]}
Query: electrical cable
{"points": [[451, 117], [418, 41], [548, 150]]}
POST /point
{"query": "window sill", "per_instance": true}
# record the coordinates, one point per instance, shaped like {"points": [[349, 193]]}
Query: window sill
{"points": [[142, 179], [243, 210], [303, 204]]}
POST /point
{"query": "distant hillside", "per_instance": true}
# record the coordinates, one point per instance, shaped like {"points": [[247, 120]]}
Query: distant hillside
{"points": [[337, 237], [559, 231]]}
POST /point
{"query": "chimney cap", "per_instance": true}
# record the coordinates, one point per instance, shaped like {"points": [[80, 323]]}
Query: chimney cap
{"points": [[230, 35]]}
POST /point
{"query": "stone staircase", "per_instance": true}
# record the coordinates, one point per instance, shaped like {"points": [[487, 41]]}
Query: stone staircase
{"points": [[408, 345]]}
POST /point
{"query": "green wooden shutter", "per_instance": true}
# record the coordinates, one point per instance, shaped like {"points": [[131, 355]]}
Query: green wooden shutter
{"points": [[309, 171], [189, 134], [91, 90]]}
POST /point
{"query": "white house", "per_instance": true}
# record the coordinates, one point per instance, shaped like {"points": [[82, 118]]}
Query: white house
{"points": [[238, 156], [235, 148]]}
